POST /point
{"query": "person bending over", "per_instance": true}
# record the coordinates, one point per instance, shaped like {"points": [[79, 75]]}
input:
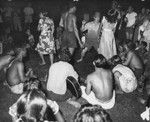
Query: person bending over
{"points": [[15, 75], [124, 76], [134, 62], [57, 89], [91, 113], [99, 88]]}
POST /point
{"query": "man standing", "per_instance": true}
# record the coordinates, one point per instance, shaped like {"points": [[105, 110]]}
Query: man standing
{"points": [[28, 11], [99, 88], [70, 34]]}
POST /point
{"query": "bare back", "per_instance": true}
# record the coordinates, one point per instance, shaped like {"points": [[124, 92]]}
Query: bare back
{"points": [[12, 74], [68, 22], [135, 62], [102, 84]]}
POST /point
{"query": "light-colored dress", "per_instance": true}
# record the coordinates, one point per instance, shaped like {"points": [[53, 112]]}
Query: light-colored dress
{"points": [[46, 40], [107, 46]]}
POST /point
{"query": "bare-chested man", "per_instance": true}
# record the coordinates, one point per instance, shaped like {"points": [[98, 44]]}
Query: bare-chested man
{"points": [[99, 89], [134, 62], [15, 75], [70, 34]]}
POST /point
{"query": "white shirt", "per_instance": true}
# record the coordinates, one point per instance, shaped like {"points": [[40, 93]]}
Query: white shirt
{"points": [[131, 17], [58, 73], [92, 29], [28, 11]]}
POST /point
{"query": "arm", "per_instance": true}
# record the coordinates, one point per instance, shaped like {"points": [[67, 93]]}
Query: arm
{"points": [[76, 31], [52, 23], [128, 60], [88, 87], [59, 117], [21, 73]]}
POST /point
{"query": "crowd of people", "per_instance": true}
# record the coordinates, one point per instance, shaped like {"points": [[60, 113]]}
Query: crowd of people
{"points": [[121, 41]]}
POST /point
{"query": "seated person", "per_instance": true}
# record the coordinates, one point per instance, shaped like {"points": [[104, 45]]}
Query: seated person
{"points": [[6, 59], [15, 75], [99, 89], [91, 113], [57, 89], [133, 61], [32, 106], [124, 76]]}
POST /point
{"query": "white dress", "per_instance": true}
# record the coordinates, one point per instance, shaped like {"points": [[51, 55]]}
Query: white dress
{"points": [[107, 46]]}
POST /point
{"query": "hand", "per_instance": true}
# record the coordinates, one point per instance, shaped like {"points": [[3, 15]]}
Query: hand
{"points": [[54, 106]]}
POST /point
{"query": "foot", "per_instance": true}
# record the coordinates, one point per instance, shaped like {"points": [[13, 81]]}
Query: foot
{"points": [[43, 63], [74, 103], [79, 60], [141, 100]]}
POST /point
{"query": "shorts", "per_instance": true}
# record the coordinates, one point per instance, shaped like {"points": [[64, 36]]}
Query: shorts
{"points": [[69, 40], [130, 30], [57, 97], [91, 98], [92, 42]]}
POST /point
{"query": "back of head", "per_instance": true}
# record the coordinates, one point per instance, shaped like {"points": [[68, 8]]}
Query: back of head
{"points": [[65, 55], [100, 62], [130, 45], [115, 60], [71, 5], [91, 113]]}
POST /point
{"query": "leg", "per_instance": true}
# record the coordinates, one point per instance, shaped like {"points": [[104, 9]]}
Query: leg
{"points": [[51, 58], [83, 54], [42, 58]]}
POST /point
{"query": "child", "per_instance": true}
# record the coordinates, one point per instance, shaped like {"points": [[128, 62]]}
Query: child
{"points": [[134, 62], [124, 76], [31, 40]]}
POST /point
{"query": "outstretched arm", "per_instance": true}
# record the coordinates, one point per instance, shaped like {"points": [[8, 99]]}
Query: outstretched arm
{"points": [[88, 87]]}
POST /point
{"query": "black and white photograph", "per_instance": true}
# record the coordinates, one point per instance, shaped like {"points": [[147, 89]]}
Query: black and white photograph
{"points": [[74, 60]]}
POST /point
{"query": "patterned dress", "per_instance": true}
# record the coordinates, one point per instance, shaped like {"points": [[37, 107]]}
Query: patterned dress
{"points": [[46, 40]]}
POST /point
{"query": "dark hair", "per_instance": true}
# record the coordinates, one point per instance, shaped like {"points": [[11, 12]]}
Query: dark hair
{"points": [[144, 43], [71, 5], [111, 16], [64, 55], [130, 45], [115, 60], [101, 62], [92, 111]]}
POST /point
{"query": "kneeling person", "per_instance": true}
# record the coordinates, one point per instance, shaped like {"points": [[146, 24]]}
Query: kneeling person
{"points": [[123, 75], [99, 89]]}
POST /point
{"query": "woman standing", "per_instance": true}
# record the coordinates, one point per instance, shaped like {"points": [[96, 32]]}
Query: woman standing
{"points": [[46, 40], [107, 46]]}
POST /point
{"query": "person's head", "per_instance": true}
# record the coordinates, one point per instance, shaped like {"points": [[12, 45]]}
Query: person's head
{"points": [[91, 113], [86, 17], [130, 9], [114, 4], [43, 14], [65, 55], [96, 16], [21, 52], [143, 44], [111, 16], [145, 22], [31, 106], [32, 83], [72, 8], [100, 62], [137, 43], [115, 60], [129, 46], [143, 10], [28, 32]]}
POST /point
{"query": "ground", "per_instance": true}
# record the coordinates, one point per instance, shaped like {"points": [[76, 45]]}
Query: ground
{"points": [[126, 109]]}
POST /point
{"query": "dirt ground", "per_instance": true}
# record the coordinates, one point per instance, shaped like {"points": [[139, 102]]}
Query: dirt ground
{"points": [[126, 109]]}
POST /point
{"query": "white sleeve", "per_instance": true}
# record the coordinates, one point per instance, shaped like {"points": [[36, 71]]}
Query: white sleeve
{"points": [[72, 72], [61, 22]]}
